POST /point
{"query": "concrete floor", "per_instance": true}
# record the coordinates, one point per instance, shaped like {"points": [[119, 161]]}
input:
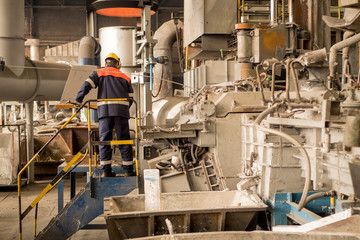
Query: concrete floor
{"points": [[9, 211]]}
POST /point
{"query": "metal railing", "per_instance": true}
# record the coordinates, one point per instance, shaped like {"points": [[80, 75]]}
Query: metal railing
{"points": [[86, 150]]}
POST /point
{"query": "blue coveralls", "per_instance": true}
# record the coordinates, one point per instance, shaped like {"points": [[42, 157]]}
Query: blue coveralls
{"points": [[111, 83]]}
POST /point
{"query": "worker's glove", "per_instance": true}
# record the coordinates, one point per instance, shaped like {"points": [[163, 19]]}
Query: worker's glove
{"points": [[77, 104]]}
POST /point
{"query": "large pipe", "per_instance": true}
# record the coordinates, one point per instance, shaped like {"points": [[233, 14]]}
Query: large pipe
{"points": [[338, 46], [88, 49], [40, 81], [34, 45], [345, 57], [25, 80], [166, 36], [12, 47], [273, 12], [291, 10]]}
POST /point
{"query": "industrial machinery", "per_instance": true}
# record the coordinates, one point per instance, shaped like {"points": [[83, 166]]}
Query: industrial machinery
{"points": [[269, 109]]}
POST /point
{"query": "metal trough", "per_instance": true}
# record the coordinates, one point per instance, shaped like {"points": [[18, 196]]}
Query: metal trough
{"points": [[188, 212]]}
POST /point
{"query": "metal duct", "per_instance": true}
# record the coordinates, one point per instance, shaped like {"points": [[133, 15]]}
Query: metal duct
{"points": [[273, 12], [41, 81], [25, 80], [338, 46], [34, 45], [291, 10], [12, 47], [345, 57], [88, 49], [166, 36]]}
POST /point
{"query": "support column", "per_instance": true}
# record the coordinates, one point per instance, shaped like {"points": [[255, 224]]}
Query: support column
{"points": [[91, 24], [29, 108], [34, 48]]}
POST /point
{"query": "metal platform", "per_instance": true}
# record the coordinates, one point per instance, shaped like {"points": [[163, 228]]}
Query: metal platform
{"points": [[83, 208]]}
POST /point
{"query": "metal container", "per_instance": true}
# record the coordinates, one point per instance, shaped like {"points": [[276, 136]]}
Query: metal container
{"points": [[202, 17], [244, 46], [187, 212], [121, 41]]}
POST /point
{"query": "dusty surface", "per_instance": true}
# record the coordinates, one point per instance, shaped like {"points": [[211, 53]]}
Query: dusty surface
{"points": [[9, 223]]}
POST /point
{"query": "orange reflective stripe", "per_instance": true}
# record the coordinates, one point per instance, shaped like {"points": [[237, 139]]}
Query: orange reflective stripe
{"points": [[111, 71]]}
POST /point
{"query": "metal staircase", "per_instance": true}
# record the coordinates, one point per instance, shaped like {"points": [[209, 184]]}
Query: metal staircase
{"points": [[89, 202], [83, 208]]}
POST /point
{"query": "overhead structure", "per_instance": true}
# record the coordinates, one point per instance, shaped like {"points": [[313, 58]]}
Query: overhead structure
{"points": [[120, 8]]}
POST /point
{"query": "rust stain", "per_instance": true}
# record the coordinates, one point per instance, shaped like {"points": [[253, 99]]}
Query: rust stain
{"points": [[272, 39]]}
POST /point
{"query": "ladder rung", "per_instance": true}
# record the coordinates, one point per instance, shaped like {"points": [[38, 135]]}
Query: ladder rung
{"points": [[118, 142]]}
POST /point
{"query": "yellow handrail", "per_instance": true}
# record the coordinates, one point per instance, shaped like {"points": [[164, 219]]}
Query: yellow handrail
{"points": [[125, 141], [32, 160], [60, 176]]}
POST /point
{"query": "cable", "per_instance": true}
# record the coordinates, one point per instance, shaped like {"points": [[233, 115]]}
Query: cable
{"points": [[295, 79], [293, 141], [161, 81], [260, 83]]}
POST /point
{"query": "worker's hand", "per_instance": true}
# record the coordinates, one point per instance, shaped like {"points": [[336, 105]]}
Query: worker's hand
{"points": [[77, 104]]}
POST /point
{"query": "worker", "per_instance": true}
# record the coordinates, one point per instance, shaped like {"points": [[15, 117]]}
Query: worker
{"points": [[111, 84]]}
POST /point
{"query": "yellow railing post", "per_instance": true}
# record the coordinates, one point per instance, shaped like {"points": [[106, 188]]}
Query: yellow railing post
{"points": [[30, 162]]}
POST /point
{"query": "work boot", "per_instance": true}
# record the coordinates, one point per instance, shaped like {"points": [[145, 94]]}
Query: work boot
{"points": [[108, 174], [129, 174]]}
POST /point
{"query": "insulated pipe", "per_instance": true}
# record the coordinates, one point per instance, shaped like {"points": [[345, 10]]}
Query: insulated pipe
{"points": [[273, 12], [273, 80], [34, 48], [12, 47], [292, 69], [338, 46], [345, 57], [166, 36], [291, 10], [25, 80], [88, 49], [293, 141], [40, 81]]}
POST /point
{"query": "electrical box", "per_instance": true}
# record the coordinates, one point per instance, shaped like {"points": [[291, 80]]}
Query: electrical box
{"points": [[208, 17]]}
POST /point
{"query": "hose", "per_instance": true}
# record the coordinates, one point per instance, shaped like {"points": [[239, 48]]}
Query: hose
{"points": [[293, 141], [160, 85], [340, 45], [273, 81], [287, 83], [194, 158], [314, 196], [295, 80], [260, 84]]}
